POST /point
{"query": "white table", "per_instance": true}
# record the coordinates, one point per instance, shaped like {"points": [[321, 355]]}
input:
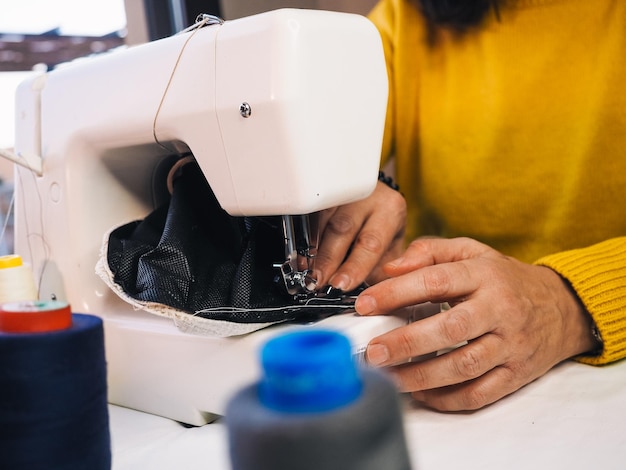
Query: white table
{"points": [[572, 418]]}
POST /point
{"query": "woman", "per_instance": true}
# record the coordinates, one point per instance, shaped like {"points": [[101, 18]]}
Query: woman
{"points": [[507, 124]]}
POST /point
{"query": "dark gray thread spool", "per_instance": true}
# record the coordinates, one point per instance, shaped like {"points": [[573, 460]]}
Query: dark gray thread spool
{"points": [[314, 409]]}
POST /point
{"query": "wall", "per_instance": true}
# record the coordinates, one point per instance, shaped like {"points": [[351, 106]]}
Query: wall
{"points": [[237, 8]]}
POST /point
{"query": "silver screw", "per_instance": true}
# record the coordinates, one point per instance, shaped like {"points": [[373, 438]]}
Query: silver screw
{"points": [[245, 110]]}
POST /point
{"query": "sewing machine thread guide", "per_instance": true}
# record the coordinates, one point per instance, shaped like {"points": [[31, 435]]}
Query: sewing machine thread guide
{"points": [[203, 19]]}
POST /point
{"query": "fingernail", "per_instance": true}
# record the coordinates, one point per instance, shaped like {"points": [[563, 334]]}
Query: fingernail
{"points": [[377, 354], [340, 281], [365, 304], [317, 276], [396, 262]]}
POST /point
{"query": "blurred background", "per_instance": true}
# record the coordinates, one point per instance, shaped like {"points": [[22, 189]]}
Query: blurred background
{"points": [[38, 35]]}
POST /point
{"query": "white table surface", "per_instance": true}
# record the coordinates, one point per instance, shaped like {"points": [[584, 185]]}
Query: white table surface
{"points": [[572, 418]]}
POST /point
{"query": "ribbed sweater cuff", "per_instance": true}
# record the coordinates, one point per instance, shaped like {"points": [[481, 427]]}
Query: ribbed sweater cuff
{"points": [[598, 275]]}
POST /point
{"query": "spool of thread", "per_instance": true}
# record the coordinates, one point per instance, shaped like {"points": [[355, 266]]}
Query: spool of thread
{"points": [[53, 395], [314, 409], [16, 280]]}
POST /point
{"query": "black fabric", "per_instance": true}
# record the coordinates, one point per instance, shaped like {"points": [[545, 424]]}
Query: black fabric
{"points": [[189, 254]]}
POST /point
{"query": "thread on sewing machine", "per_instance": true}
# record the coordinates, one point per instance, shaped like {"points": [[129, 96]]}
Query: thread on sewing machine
{"points": [[201, 21], [30, 232], [16, 280], [53, 394]]}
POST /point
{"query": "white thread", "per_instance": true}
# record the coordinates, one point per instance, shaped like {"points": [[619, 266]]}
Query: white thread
{"points": [[197, 26], [17, 282], [29, 235]]}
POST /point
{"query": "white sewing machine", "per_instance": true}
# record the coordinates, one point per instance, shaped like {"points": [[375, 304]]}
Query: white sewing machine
{"points": [[284, 112]]}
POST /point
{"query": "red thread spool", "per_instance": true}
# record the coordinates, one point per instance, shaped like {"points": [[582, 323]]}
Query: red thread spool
{"points": [[34, 316]]}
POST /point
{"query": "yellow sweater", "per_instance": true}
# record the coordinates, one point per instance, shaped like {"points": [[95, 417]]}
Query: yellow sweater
{"points": [[514, 134]]}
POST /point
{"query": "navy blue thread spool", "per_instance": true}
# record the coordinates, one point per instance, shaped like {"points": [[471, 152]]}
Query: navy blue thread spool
{"points": [[53, 394], [314, 409]]}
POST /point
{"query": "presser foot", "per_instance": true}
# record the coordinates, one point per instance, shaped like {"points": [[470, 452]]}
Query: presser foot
{"points": [[300, 236]]}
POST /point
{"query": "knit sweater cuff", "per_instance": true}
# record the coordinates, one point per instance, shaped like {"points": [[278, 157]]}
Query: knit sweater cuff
{"points": [[598, 275]]}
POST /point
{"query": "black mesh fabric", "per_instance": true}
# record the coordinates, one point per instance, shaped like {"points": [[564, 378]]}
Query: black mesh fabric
{"points": [[190, 255]]}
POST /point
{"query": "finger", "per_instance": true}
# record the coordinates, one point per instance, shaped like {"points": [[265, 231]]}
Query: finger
{"points": [[376, 243], [379, 237], [474, 394], [457, 366], [428, 251], [439, 283], [338, 233], [435, 333], [357, 237]]}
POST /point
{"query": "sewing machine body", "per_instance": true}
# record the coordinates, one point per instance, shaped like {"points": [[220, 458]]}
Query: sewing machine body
{"points": [[315, 83]]}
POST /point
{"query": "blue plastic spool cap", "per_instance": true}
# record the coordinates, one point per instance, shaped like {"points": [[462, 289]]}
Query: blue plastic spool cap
{"points": [[308, 371]]}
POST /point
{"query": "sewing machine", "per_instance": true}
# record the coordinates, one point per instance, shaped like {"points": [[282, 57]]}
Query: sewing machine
{"points": [[284, 112]]}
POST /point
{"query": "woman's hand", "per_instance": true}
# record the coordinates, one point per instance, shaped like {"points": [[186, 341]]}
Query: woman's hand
{"points": [[519, 320], [358, 238]]}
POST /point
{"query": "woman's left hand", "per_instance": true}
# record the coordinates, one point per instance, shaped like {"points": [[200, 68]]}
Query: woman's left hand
{"points": [[516, 322]]}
